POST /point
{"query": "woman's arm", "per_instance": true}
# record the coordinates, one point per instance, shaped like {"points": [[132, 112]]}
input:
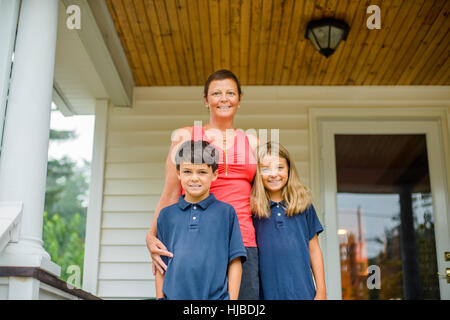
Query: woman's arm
{"points": [[169, 196], [234, 278], [317, 268]]}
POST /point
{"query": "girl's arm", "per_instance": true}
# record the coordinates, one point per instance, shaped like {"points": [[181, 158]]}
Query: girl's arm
{"points": [[169, 196], [317, 268], [234, 278], [159, 281]]}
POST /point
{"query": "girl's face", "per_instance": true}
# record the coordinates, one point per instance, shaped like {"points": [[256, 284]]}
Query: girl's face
{"points": [[223, 98], [274, 173]]}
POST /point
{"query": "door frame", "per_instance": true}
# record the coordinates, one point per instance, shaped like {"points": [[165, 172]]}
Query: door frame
{"points": [[327, 122]]}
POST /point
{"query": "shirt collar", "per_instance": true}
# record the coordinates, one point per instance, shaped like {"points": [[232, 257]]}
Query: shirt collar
{"points": [[203, 204], [273, 203]]}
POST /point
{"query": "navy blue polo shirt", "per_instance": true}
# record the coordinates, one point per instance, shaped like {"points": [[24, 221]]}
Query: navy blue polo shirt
{"points": [[204, 237], [284, 260]]}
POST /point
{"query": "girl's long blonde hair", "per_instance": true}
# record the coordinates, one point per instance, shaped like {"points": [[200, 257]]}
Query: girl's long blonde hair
{"points": [[296, 196]]}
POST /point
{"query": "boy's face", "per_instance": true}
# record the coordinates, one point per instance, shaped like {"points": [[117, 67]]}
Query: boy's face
{"points": [[196, 180]]}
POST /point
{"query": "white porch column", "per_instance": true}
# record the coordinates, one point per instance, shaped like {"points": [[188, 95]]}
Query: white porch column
{"points": [[9, 13], [23, 162]]}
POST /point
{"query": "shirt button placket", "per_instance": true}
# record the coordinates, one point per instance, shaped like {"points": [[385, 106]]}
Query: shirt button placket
{"points": [[279, 218], [193, 223]]}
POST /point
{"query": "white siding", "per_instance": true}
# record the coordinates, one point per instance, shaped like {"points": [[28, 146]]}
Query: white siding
{"points": [[138, 141]]}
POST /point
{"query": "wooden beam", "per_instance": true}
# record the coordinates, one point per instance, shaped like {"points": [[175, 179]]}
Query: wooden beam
{"points": [[183, 20], [205, 33], [195, 31], [263, 41], [245, 40], [424, 20], [271, 60], [288, 8]]}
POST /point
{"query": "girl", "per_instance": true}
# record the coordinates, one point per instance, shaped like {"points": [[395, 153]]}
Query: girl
{"points": [[286, 226]]}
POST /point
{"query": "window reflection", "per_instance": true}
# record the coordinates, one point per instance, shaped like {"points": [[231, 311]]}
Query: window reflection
{"points": [[385, 217]]}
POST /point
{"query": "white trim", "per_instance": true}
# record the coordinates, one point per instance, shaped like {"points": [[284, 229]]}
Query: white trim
{"points": [[112, 41], [61, 102], [23, 288], [47, 292], [441, 114], [326, 122], [119, 86], [314, 96], [94, 213], [11, 214], [9, 14]]}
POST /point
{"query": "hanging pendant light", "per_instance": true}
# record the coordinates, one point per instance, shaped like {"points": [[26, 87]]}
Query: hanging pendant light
{"points": [[326, 34]]}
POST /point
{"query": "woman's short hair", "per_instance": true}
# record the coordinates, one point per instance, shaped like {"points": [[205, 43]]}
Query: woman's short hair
{"points": [[221, 75], [197, 152]]}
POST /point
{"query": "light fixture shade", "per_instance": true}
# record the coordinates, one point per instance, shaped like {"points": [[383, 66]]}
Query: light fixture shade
{"points": [[326, 34]]}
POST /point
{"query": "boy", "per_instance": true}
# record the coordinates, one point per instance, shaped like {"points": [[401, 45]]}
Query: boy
{"points": [[202, 233]]}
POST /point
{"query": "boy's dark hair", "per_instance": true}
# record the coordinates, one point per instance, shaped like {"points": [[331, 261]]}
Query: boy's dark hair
{"points": [[197, 152]]}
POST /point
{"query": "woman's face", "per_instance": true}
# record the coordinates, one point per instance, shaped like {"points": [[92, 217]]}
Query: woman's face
{"points": [[223, 98]]}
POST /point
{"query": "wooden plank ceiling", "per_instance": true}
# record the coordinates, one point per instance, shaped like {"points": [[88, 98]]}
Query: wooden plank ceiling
{"points": [[180, 42]]}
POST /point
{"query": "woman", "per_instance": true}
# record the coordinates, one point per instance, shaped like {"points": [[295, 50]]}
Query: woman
{"points": [[237, 167]]}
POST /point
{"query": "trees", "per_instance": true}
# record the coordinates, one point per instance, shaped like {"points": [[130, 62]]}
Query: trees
{"points": [[63, 241], [65, 208], [66, 189]]}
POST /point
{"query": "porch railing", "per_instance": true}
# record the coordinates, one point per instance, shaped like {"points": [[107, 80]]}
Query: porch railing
{"points": [[10, 215], [49, 285]]}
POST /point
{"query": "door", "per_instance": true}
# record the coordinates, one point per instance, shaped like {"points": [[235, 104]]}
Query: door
{"points": [[385, 209]]}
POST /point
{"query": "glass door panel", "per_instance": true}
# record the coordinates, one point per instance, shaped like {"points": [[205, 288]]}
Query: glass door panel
{"points": [[385, 217]]}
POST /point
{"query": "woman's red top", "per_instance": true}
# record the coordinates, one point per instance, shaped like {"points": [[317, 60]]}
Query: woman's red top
{"points": [[237, 168]]}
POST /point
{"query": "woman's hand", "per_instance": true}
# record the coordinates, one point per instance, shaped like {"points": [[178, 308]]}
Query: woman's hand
{"points": [[157, 249]]}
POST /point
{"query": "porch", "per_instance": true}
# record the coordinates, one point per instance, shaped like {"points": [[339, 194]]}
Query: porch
{"points": [[140, 68]]}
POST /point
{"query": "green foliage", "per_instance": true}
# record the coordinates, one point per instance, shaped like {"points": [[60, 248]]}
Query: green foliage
{"points": [[66, 190], [65, 209], [61, 135], [63, 242]]}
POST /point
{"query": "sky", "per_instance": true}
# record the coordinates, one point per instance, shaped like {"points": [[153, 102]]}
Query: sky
{"points": [[76, 149]]}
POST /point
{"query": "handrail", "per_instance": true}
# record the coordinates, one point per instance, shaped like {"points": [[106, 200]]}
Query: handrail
{"points": [[10, 217], [47, 278]]}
